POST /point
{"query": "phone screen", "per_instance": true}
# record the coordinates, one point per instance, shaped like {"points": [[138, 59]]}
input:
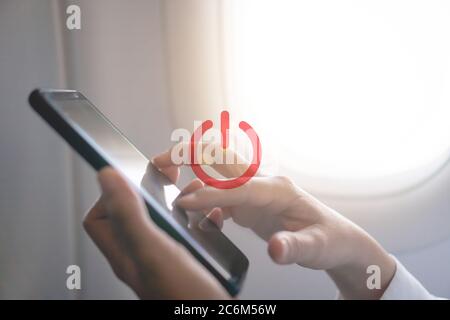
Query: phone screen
{"points": [[124, 156]]}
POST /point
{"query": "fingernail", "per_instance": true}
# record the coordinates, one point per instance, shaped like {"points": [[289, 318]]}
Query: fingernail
{"points": [[284, 249], [205, 224]]}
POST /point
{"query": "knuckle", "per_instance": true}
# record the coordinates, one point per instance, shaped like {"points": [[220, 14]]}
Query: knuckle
{"points": [[284, 180], [244, 192], [284, 187], [320, 240], [86, 222]]}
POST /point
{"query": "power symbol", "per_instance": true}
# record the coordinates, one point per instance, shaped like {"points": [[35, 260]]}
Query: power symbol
{"points": [[224, 128]]}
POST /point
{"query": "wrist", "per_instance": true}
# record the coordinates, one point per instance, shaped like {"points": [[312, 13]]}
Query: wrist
{"points": [[352, 276]]}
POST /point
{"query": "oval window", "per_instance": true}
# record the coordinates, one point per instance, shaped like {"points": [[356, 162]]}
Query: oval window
{"points": [[354, 94]]}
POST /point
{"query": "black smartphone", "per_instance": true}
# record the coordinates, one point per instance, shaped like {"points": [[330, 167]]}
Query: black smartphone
{"points": [[101, 144]]}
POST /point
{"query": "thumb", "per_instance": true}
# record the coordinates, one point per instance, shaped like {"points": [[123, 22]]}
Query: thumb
{"points": [[302, 247]]}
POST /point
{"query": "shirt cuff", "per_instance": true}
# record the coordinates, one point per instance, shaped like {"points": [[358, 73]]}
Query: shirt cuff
{"points": [[404, 286]]}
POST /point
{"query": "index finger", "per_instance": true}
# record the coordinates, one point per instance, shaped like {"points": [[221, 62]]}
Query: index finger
{"points": [[258, 192], [166, 164]]}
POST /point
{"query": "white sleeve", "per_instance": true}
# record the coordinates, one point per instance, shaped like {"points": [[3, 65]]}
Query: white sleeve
{"points": [[404, 286]]}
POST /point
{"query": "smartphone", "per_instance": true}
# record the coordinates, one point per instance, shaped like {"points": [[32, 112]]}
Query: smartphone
{"points": [[101, 144]]}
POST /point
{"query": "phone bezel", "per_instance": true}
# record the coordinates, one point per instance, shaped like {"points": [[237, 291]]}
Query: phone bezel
{"points": [[94, 155]]}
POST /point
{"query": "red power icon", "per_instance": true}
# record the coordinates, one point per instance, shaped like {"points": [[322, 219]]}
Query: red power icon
{"points": [[224, 128]]}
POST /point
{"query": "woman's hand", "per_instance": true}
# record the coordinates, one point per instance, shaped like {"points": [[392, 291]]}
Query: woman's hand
{"points": [[144, 257], [299, 228]]}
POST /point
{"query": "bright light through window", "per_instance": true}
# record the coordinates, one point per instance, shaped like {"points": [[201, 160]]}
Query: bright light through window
{"points": [[353, 90]]}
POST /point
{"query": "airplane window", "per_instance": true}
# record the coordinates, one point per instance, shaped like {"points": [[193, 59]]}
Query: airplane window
{"points": [[348, 90]]}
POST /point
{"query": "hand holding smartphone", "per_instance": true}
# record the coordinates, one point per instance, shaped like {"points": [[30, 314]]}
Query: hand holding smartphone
{"points": [[101, 144]]}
